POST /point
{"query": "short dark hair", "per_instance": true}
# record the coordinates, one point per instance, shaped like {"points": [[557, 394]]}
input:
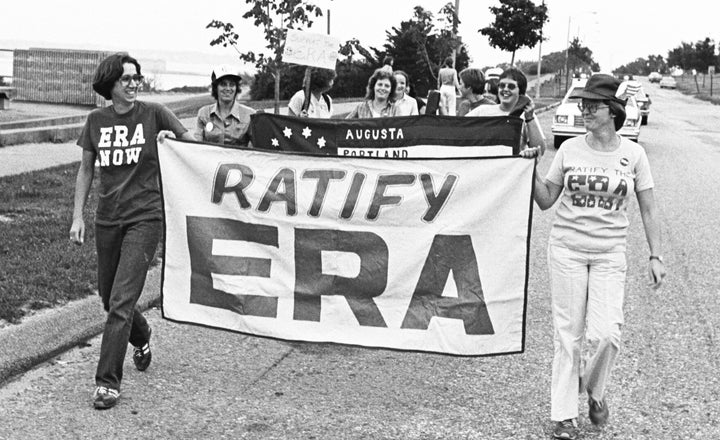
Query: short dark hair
{"points": [[473, 77], [109, 71], [617, 109], [214, 85], [516, 75], [448, 62], [388, 61], [376, 76], [320, 78]]}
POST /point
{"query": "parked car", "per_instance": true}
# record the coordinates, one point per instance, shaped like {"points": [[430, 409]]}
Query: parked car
{"points": [[635, 88], [568, 121], [654, 77], [669, 82]]}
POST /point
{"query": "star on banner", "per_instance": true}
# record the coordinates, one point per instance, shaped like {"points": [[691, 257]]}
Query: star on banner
{"points": [[275, 142], [307, 132], [287, 132], [321, 142]]}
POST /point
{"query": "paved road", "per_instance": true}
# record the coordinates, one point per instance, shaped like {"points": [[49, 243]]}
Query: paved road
{"points": [[207, 383]]}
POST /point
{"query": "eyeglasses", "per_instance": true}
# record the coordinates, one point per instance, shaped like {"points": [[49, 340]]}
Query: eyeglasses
{"points": [[592, 108], [125, 79], [509, 86]]}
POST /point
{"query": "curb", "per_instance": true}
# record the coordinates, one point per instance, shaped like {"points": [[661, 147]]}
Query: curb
{"points": [[41, 337]]}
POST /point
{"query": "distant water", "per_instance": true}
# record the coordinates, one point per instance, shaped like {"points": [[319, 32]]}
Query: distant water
{"points": [[174, 75]]}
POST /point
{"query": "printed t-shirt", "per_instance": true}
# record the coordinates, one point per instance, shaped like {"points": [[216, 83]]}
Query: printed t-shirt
{"points": [[233, 130], [592, 213], [318, 108], [125, 148]]}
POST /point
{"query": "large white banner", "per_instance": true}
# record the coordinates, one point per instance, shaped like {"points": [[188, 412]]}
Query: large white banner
{"points": [[417, 254]]}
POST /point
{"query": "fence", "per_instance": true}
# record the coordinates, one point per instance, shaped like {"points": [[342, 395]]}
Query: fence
{"points": [[59, 76]]}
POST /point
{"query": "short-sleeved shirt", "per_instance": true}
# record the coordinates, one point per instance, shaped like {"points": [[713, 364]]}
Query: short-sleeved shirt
{"points": [[597, 185], [407, 106], [495, 110], [318, 108], [233, 130], [125, 147]]}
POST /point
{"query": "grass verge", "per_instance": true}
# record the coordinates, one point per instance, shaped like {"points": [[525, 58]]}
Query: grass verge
{"points": [[701, 90], [39, 267]]}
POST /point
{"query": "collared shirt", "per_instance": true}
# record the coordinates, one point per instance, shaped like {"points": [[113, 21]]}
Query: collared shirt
{"points": [[365, 110], [233, 130], [406, 106]]}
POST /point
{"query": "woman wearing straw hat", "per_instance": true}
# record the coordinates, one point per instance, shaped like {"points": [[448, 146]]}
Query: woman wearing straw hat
{"points": [[226, 121], [594, 176]]}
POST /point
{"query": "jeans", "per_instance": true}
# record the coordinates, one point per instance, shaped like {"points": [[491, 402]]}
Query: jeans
{"points": [[588, 291], [124, 256]]}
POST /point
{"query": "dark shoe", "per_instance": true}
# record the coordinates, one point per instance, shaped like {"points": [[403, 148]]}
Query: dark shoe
{"points": [[565, 430], [105, 398], [142, 357], [598, 411]]}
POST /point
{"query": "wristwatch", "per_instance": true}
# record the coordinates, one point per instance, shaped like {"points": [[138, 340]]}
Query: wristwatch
{"points": [[657, 257]]}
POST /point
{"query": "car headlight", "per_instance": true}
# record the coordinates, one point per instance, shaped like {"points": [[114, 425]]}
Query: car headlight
{"points": [[561, 119], [630, 122]]}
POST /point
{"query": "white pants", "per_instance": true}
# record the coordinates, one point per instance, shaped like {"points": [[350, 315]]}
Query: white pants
{"points": [[587, 300], [447, 100]]}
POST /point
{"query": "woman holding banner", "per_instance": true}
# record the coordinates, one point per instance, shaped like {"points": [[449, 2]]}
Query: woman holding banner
{"points": [[593, 176], [379, 99], [128, 222], [513, 101], [227, 121], [320, 104], [406, 104]]}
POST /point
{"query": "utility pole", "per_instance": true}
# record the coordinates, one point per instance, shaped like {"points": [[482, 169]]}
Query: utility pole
{"points": [[567, 54], [456, 16], [537, 80]]}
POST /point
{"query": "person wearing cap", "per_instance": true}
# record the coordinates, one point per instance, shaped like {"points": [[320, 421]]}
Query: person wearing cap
{"points": [[594, 177], [448, 84], [122, 139], [512, 87], [320, 105], [226, 121]]}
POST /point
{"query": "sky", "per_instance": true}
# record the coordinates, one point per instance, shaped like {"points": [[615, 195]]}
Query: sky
{"points": [[617, 31]]}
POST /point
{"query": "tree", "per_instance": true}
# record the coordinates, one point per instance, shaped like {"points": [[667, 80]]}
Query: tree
{"points": [[419, 48], [275, 17], [518, 23], [580, 57]]}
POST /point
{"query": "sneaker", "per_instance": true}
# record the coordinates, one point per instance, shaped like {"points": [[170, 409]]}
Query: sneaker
{"points": [[142, 357], [105, 397], [598, 411], [566, 430]]}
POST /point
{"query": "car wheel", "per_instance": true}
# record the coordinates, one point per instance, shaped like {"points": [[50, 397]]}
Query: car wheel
{"points": [[558, 141], [644, 120]]}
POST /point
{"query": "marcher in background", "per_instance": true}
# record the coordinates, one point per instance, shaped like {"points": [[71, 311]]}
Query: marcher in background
{"points": [[512, 87], [448, 85], [379, 97], [594, 176], [492, 77], [227, 121], [321, 81], [406, 105], [388, 63], [472, 85], [128, 222], [420, 103]]}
